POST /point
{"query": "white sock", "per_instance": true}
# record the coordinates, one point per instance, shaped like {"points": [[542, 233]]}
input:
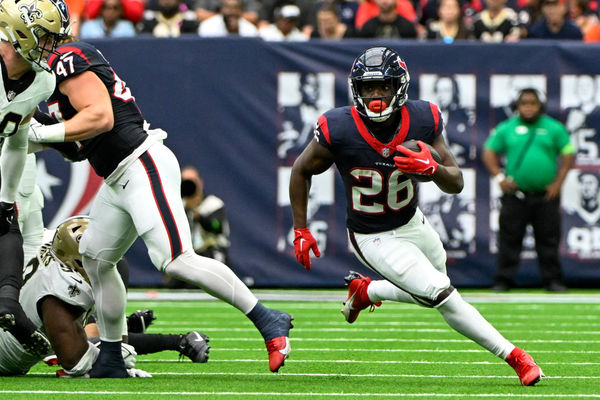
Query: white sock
{"points": [[110, 297], [465, 319], [214, 277], [385, 290]]}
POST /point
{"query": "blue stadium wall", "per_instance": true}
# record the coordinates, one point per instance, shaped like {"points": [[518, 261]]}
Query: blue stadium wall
{"points": [[241, 111]]}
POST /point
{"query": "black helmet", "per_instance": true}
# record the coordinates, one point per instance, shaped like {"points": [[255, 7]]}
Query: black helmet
{"points": [[379, 64]]}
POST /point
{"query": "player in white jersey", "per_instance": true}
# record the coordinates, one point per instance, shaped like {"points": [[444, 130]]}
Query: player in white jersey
{"points": [[29, 31], [58, 298]]}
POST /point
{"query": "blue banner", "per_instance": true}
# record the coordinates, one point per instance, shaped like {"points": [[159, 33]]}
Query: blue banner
{"points": [[242, 110]]}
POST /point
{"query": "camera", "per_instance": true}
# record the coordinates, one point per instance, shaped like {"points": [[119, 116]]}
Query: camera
{"points": [[188, 188]]}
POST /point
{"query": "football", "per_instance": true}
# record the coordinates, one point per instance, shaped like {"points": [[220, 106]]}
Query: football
{"points": [[413, 146]]}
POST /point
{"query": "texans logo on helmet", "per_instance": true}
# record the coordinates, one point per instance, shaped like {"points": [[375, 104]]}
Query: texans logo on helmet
{"points": [[68, 188]]}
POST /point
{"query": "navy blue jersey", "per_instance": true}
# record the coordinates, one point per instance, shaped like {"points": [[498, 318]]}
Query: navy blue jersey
{"points": [[106, 150], [379, 197]]}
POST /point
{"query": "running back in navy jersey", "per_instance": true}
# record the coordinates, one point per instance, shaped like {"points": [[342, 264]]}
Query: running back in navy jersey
{"points": [[379, 197], [106, 150]]}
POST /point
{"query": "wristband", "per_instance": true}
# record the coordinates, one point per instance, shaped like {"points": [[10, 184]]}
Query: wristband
{"points": [[52, 133], [498, 178]]}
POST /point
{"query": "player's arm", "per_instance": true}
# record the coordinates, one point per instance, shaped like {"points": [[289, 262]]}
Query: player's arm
{"points": [[315, 159], [448, 175], [88, 95], [12, 163], [65, 333]]}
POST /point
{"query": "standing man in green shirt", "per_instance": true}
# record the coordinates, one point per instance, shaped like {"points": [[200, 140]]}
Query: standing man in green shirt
{"points": [[538, 156]]}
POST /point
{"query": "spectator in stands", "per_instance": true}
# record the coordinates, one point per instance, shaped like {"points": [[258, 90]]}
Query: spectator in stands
{"points": [[172, 19], [76, 12], [329, 25], [369, 9], [496, 23], [449, 25], [528, 15], [346, 10], [429, 11], [306, 21], [228, 22], [209, 8], [132, 9], [285, 27], [110, 23], [554, 23], [388, 24], [582, 15]]}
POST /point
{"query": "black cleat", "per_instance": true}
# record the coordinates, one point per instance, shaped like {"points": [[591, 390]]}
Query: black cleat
{"points": [[194, 345], [109, 363], [37, 344], [140, 320], [14, 320]]}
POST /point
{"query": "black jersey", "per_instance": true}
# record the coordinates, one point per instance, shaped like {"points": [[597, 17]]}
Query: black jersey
{"points": [[108, 149], [379, 197]]}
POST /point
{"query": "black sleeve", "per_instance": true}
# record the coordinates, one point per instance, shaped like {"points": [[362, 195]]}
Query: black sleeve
{"points": [[69, 150], [43, 118]]}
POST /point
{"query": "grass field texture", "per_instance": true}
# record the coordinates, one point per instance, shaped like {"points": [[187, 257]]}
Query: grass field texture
{"points": [[399, 351]]}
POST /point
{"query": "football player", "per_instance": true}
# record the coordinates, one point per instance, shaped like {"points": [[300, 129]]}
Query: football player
{"points": [[140, 196], [29, 30], [58, 298], [388, 232]]}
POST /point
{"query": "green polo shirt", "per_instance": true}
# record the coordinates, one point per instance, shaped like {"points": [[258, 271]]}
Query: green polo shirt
{"points": [[539, 165]]}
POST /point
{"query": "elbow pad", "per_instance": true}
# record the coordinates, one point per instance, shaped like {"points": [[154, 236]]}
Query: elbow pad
{"points": [[85, 363]]}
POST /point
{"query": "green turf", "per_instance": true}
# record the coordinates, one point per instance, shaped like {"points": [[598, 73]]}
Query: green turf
{"points": [[399, 351]]}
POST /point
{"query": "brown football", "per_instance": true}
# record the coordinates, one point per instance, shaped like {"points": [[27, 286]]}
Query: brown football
{"points": [[413, 146]]}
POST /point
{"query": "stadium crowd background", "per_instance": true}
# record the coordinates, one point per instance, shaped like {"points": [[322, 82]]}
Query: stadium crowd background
{"points": [[299, 20]]}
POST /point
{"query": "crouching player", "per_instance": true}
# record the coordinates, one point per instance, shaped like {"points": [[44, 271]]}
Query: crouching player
{"points": [[57, 297]]}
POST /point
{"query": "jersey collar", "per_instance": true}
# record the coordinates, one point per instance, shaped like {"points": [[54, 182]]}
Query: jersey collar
{"points": [[385, 149]]}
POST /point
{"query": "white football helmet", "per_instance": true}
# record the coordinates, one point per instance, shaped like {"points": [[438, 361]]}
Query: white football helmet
{"points": [[34, 27], [65, 244]]}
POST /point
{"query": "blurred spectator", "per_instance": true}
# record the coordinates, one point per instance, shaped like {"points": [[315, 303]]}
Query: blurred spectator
{"points": [[110, 23], [582, 15], [170, 20], [306, 21], [209, 8], [369, 9], [496, 23], [469, 8], [76, 12], [208, 221], [285, 27], [554, 23], [228, 22], [529, 14], [132, 9], [346, 10], [329, 25], [449, 25], [388, 24]]}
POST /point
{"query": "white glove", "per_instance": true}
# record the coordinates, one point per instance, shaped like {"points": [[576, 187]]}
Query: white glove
{"points": [[129, 354], [138, 373]]}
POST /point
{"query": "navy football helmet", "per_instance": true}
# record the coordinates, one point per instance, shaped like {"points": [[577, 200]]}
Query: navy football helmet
{"points": [[379, 64]]}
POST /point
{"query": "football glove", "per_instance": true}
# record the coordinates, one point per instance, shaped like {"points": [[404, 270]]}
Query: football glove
{"points": [[303, 243], [413, 162], [7, 215], [138, 373]]}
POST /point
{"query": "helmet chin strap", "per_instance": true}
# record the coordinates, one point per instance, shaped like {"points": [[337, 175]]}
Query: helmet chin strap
{"points": [[378, 110]]}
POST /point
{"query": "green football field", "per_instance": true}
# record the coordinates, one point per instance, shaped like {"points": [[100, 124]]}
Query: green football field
{"points": [[399, 351]]}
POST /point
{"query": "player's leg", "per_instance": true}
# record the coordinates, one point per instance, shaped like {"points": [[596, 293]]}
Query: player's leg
{"points": [[193, 345], [109, 234], [165, 230], [398, 256], [31, 222], [12, 316], [513, 220]]}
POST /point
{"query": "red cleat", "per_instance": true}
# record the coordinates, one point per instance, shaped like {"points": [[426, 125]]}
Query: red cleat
{"points": [[279, 349], [357, 299], [528, 371]]}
